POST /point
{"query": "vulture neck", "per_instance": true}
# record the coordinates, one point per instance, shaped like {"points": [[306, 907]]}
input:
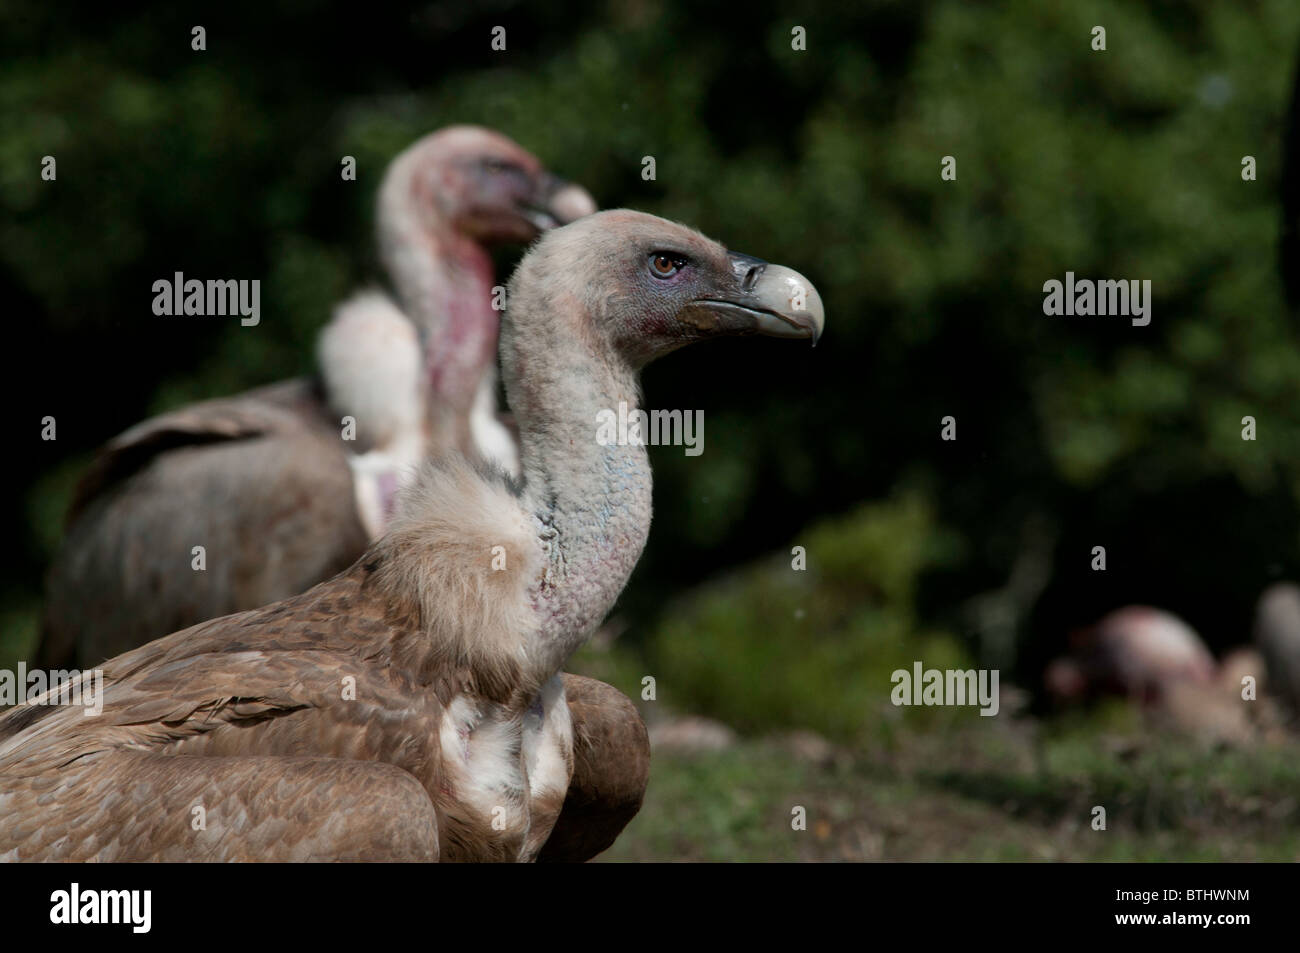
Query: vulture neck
{"points": [[590, 504], [444, 282]]}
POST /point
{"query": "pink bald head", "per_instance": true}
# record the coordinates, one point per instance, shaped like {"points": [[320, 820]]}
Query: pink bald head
{"points": [[1136, 651], [481, 185], [444, 201]]}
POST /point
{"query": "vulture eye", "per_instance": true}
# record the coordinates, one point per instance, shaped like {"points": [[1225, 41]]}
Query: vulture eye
{"points": [[500, 165], [665, 264]]}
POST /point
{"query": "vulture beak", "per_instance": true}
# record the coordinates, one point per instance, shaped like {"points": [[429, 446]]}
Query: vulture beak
{"points": [[555, 203], [766, 299]]}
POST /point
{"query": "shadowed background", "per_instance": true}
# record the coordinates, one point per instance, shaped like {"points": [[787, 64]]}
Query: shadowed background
{"points": [[1072, 432]]}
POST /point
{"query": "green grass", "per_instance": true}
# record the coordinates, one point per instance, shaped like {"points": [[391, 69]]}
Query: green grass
{"points": [[999, 790], [767, 648]]}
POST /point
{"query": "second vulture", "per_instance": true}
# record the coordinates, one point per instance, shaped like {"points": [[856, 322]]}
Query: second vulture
{"points": [[265, 481]]}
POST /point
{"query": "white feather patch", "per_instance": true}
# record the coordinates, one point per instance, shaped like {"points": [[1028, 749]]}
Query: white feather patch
{"points": [[370, 361]]}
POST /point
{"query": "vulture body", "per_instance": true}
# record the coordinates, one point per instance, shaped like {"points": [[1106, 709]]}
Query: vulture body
{"points": [[411, 708], [267, 485], [265, 481]]}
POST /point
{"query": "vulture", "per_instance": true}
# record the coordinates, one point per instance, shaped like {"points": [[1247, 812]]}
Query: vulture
{"points": [[1156, 659], [1137, 652], [410, 707], [1277, 634], [271, 483]]}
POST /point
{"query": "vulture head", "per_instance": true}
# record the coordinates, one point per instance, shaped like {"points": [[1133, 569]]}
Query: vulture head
{"points": [[639, 287], [444, 202], [589, 305], [480, 185]]}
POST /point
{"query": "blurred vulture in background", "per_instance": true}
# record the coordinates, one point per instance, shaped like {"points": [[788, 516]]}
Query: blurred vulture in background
{"points": [[271, 483], [458, 738], [1277, 633], [1154, 658], [1137, 652]]}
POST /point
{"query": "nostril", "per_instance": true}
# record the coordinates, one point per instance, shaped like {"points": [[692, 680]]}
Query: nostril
{"points": [[747, 269]]}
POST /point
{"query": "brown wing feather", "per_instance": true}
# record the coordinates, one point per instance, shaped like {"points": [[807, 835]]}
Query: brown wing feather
{"points": [[611, 754], [365, 667], [126, 805], [259, 412], [287, 724], [310, 677], [260, 481]]}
